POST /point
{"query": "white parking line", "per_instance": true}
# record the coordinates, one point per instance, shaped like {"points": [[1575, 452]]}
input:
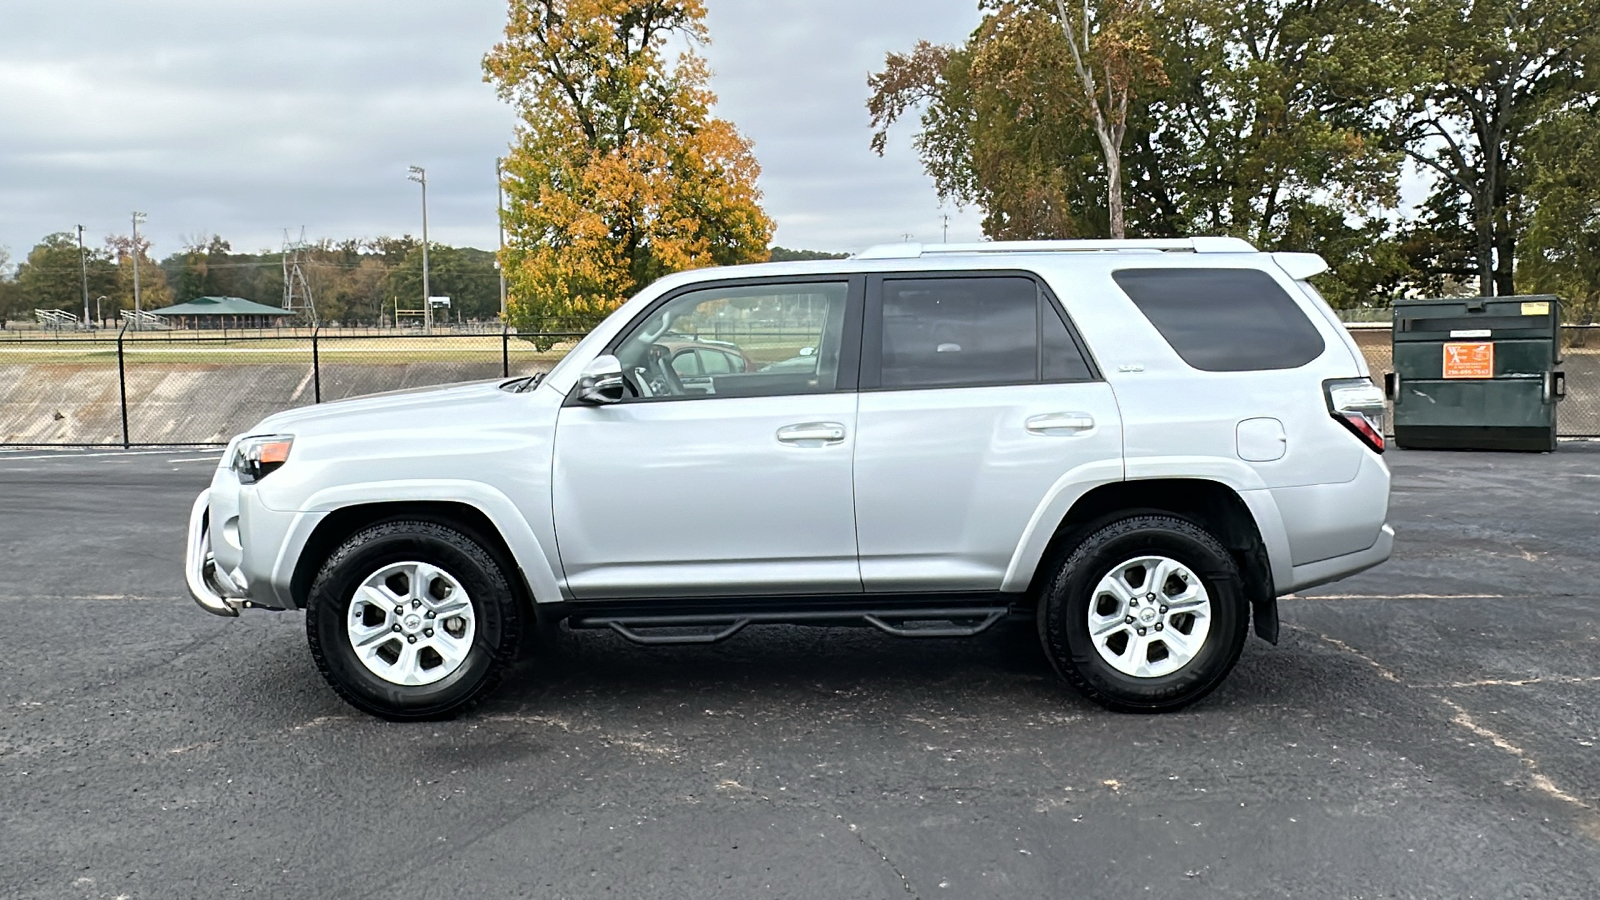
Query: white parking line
{"points": [[1394, 596]]}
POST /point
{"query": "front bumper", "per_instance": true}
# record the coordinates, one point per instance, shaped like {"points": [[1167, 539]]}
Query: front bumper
{"points": [[217, 592]]}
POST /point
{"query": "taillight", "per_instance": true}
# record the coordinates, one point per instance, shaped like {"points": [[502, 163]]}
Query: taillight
{"points": [[1358, 404]]}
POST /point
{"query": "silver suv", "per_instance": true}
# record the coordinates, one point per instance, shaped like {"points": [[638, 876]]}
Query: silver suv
{"points": [[1139, 444]]}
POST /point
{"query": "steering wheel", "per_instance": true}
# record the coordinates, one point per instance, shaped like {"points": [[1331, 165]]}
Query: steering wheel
{"points": [[664, 379]]}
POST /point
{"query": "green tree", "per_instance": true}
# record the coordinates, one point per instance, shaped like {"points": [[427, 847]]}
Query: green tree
{"points": [[464, 274], [619, 174], [784, 254], [1561, 252], [154, 292], [996, 128], [1110, 45], [8, 286], [1259, 129], [52, 277], [196, 270], [1480, 76]]}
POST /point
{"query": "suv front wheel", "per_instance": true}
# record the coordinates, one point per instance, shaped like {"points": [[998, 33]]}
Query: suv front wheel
{"points": [[412, 620], [1148, 614]]}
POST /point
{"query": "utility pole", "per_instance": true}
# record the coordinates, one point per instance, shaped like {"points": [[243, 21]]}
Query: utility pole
{"points": [[137, 307], [84, 265], [420, 176], [500, 218]]}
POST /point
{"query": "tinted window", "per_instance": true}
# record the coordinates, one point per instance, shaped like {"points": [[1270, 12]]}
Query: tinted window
{"points": [[1224, 320], [791, 333], [960, 331], [1062, 359]]}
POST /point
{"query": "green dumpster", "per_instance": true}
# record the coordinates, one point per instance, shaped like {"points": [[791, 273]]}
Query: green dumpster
{"points": [[1476, 373]]}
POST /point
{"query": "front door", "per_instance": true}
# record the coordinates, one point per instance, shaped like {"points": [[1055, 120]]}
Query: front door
{"points": [[720, 483]]}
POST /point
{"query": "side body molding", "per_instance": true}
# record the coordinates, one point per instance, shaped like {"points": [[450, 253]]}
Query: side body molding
{"points": [[533, 551]]}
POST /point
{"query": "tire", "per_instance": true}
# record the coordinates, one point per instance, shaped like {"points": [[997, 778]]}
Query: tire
{"points": [[1167, 657], [457, 629]]}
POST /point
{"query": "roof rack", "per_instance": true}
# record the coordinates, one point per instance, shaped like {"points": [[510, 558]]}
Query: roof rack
{"points": [[1181, 245]]}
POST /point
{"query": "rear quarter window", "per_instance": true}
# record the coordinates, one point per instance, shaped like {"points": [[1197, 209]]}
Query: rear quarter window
{"points": [[1224, 320]]}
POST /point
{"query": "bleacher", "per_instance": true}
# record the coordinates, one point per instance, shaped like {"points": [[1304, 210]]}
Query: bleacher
{"points": [[144, 321], [56, 319]]}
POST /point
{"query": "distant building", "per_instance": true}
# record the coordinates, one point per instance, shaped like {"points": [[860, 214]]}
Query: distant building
{"points": [[222, 312]]}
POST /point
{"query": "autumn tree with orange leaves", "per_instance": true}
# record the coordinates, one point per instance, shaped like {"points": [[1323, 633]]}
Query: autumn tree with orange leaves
{"points": [[619, 174]]}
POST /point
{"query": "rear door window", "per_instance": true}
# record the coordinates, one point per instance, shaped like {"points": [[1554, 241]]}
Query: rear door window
{"points": [[1063, 361], [1224, 320], [972, 331]]}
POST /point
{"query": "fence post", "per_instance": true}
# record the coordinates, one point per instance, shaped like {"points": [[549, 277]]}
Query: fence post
{"points": [[505, 351], [316, 365], [122, 384]]}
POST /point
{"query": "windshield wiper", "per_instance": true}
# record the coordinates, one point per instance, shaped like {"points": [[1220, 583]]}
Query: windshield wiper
{"points": [[523, 384]]}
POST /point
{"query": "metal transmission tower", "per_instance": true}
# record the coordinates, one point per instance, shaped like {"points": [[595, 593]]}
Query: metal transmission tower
{"points": [[296, 290]]}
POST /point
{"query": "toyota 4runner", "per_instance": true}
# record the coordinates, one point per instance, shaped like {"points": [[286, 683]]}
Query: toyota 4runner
{"points": [[1140, 445]]}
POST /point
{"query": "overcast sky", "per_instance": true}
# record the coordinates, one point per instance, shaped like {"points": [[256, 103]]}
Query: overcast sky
{"points": [[246, 118]]}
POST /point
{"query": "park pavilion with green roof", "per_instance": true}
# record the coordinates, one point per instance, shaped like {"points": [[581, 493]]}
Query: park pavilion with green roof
{"points": [[222, 312]]}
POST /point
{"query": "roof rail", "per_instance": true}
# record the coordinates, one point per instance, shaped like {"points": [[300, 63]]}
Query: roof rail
{"points": [[1182, 245]]}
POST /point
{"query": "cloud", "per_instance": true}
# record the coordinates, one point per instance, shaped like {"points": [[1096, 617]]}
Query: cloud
{"points": [[244, 118], [793, 75]]}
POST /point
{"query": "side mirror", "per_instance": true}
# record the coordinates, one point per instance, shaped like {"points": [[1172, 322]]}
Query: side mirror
{"points": [[807, 351], [601, 381]]}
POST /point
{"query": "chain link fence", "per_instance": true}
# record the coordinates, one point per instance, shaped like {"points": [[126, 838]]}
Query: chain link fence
{"points": [[172, 388], [202, 387]]}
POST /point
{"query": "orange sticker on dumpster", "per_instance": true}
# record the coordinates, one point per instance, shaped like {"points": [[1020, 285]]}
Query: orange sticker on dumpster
{"points": [[1469, 360]]}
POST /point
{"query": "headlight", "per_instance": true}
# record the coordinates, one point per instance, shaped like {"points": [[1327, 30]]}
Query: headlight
{"points": [[258, 456]]}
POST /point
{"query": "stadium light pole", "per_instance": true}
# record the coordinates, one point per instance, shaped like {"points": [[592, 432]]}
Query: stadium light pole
{"points": [[137, 306], [500, 219], [84, 266], [420, 176]]}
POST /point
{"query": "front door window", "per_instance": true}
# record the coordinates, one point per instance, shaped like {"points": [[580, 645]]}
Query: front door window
{"points": [[739, 341]]}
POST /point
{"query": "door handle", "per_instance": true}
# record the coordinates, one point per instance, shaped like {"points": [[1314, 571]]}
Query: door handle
{"points": [[825, 432], [1058, 423]]}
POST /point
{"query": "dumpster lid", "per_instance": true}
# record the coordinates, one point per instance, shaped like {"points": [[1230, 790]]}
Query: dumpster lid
{"points": [[1531, 316]]}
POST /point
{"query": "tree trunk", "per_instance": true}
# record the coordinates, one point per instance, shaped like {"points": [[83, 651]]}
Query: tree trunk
{"points": [[1114, 195], [1505, 265], [1483, 229]]}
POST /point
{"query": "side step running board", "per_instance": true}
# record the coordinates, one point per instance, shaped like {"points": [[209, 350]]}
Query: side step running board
{"points": [[943, 622]]}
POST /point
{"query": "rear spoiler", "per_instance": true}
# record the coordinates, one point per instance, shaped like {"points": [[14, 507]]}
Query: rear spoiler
{"points": [[1300, 266]]}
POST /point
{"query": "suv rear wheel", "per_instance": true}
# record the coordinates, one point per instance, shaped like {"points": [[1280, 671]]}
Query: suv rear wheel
{"points": [[1146, 615], [412, 620]]}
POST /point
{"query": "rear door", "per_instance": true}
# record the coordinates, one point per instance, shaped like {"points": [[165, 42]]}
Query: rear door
{"points": [[977, 401]]}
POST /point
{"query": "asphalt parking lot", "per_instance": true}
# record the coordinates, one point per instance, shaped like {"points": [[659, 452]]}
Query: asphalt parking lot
{"points": [[1427, 729]]}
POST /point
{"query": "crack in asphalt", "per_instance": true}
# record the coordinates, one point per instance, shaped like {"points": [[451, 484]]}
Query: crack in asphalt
{"points": [[876, 851], [1462, 719]]}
